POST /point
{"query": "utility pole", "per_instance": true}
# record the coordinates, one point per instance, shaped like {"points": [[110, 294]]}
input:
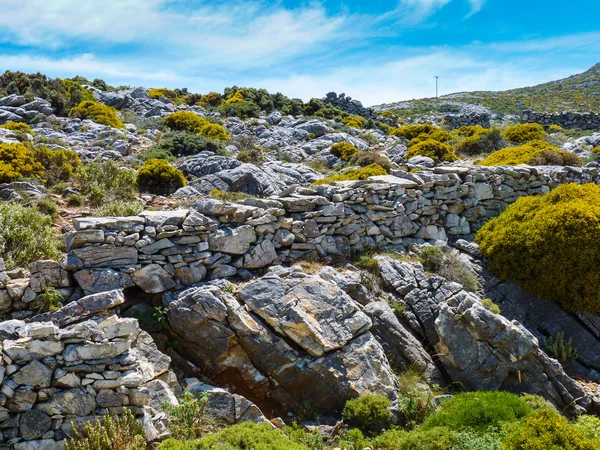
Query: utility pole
{"points": [[436, 86]]}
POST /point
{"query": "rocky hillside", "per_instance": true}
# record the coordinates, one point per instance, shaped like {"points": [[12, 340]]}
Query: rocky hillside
{"points": [[579, 92], [243, 270]]}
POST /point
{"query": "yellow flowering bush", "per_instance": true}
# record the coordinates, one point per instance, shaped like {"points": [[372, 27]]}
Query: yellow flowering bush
{"points": [[97, 112], [17, 126], [535, 153], [436, 150], [343, 150], [354, 174], [16, 162], [524, 132]]}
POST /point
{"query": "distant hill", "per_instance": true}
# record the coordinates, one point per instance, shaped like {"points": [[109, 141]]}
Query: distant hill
{"points": [[579, 92]]}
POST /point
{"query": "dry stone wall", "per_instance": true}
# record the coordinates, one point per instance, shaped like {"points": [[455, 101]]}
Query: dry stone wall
{"points": [[568, 119]]}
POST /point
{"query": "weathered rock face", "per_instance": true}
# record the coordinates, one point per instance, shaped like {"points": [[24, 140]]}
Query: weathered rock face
{"points": [[478, 348], [312, 339]]}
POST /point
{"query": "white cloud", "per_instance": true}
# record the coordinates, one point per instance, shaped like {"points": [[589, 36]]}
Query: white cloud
{"points": [[476, 6], [418, 10]]}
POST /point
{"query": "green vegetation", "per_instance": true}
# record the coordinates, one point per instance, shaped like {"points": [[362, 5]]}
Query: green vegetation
{"points": [[50, 300], [225, 196], [354, 122], [123, 432], [549, 245], [106, 181], [59, 165], [480, 140], [182, 143], [187, 419], [556, 347], [490, 305], [193, 123], [369, 412], [18, 126], [97, 112], [119, 208], [165, 93], [343, 150], [16, 162], [422, 132], [26, 235], [525, 132], [157, 176], [354, 174], [364, 159], [535, 153], [432, 258], [436, 150]]}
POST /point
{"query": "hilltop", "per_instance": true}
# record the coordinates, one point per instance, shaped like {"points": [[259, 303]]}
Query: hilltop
{"points": [[580, 92]]}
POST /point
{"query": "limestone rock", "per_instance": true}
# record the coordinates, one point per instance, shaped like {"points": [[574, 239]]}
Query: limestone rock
{"points": [[153, 279]]}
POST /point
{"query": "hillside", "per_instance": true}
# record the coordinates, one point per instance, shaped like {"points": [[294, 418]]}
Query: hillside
{"points": [[580, 92]]}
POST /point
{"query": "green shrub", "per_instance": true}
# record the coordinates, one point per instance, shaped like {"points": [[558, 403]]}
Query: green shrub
{"points": [[354, 122], [548, 430], [355, 174], [111, 433], [253, 156], [534, 153], [491, 306], [97, 112], [486, 141], [248, 435], [226, 196], [47, 206], [183, 143], [59, 165], [313, 439], [556, 347], [120, 208], [187, 420], [106, 179], [423, 132], [18, 126], [243, 110], [549, 245], [596, 150], [165, 93], [471, 130], [589, 426], [343, 150], [364, 159], [432, 258], [555, 128], [211, 99], [193, 123], [369, 412], [525, 132], [415, 400], [157, 176], [537, 402], [469, 440], [433, 149], [26, 235], [50, 300], [75, 200], [156, 152], [478, 410], [16, 162], [435, 439]]}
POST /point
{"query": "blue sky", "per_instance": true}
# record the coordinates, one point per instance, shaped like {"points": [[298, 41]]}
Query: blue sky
{"points": [[376, 51]]}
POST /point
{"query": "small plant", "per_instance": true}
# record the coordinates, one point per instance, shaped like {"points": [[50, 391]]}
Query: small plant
{"points": [[97, 112], [556, 347], [74, 200], [363, 173], [50, 300], [120, 208], [369, 412], [229, 287], [354, 439], [455, 270], [187, 419], [26, 235], [307, 410], [248, 436], [157, 176], [436, 150], [415, 402], [364, 159], [254, 156], [555, 129], [160, 316], [106, 179], [47, 206], [110, 433], [432, 258], [227, 196], [343, 150], [491, 306]]}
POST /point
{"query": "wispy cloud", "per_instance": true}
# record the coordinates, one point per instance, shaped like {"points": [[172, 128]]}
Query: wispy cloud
{"points": [[417, 10], [476, 6]]}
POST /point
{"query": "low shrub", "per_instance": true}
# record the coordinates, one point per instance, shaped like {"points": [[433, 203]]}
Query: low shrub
{"points": [[26, 235], [18, 126], [59, 165], [354, 174], [453, 269], [555, 129], [211, 99], [47, 206], [478, 410], [343, 150], [435, 439], [486, 141], [184, 143], [436, 150], [225, 196], [157, 176], [187, 419], [471, 130], [243, 110], [364, 159], [534, 153], [369, 412], [558, 348], [415, 401], [193, 123], [120, 208], [423, 131], [550, 245], [470, 440], [156, 152], [354, 122], [165, 93], [589, 426], [97, 112], [432, 258], [491, 306], [75, 200], [247, 436], [16, 162], [253, 156], [50, 300], [525, 132], [547, 429], [106, 180], [110, 433]]}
